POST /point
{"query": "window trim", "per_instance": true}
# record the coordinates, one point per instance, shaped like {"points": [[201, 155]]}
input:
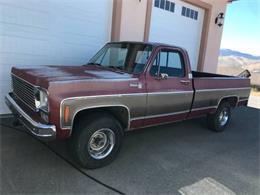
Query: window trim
{"points": [[174, 50]]}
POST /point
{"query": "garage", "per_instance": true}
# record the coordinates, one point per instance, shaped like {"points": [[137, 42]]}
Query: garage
{"points": [[178, 23], [50, 32]]}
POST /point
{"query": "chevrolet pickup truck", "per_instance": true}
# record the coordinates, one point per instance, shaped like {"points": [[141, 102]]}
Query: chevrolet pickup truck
{"points": [[125, 86]]}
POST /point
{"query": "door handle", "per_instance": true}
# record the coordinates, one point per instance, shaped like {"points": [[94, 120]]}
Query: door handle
{"points": [[137, 85], [185, 82]]}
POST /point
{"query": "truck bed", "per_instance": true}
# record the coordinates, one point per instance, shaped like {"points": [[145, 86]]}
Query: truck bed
{"points": [[210, 89], [197, 74]]}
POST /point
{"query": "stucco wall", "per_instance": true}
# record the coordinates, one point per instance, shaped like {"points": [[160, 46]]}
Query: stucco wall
{"points": [[133, 20], [214, 36]]}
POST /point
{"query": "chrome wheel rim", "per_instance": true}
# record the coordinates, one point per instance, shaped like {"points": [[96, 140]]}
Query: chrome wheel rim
{"points": [[101, 143], [223, 117]]}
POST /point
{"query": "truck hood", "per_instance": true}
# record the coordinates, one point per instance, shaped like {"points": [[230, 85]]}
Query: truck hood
{"points": [[44, 75]]}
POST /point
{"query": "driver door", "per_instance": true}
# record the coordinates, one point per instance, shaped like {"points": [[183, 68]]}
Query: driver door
{"points": [[169, 88]]}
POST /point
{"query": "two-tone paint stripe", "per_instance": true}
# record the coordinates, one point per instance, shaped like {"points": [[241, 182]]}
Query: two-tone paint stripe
{"points": [[143, 94]]}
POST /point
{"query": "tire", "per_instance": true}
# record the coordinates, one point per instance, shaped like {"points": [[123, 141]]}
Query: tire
{"points": [[221, 118], [96, 140]]}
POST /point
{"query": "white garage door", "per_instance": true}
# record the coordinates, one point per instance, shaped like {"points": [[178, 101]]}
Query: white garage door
{"points": [[178, 23], [40, 32]]}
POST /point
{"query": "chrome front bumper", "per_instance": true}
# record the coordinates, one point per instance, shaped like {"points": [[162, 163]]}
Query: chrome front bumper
{"points": [[42, 131]]}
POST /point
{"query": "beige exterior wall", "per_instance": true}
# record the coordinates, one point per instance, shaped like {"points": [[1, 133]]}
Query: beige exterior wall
{"points": [[133, 20], [134, 26], [214, 36]]}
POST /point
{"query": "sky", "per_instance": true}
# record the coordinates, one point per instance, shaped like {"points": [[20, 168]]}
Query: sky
{"points": [[242, 27]]}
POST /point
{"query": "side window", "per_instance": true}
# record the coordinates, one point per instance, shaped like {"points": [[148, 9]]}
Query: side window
{"points": [[169, 62], [175, 61]]}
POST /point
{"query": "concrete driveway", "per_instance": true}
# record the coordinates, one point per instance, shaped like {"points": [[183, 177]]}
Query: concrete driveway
{"points": [[157, 160]]}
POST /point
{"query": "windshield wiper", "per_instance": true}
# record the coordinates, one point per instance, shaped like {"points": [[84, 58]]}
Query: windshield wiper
{"points": [[93, 63], [117, 68]]}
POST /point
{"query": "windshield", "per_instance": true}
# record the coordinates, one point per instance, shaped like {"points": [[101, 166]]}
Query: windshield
{"points": [[128, 57]]}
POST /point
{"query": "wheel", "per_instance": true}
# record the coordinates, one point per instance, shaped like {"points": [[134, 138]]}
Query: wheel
{"points": [[220, 119], [96, 140]]}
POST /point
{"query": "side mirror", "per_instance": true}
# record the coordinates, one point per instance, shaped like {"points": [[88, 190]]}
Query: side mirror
{"points": [[163, 76]]}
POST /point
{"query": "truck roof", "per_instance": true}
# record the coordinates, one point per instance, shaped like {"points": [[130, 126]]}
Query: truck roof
{"points": [[155, 44]]}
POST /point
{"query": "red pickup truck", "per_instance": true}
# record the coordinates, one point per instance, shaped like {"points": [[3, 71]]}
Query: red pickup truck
{"points": [[125, 86]]}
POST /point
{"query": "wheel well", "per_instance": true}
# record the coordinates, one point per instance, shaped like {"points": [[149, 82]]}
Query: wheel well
{"points": [[120, 113], [231, 100]]}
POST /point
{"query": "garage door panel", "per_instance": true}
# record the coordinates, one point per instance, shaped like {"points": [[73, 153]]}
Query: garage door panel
{"points": [[22, 16], [174, 28], [55, 26], [37, 32], [36, 5], [14, 45], [23, 31]]}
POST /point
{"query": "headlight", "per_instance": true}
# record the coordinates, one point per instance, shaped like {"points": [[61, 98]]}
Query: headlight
{"points": [[41, 100]]}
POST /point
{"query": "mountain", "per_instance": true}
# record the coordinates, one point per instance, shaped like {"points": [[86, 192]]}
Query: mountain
{"points": [[229, 52], [233, 62]]}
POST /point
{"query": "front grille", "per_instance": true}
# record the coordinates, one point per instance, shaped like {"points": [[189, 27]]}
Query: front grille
{"points": [[24, 91]]}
